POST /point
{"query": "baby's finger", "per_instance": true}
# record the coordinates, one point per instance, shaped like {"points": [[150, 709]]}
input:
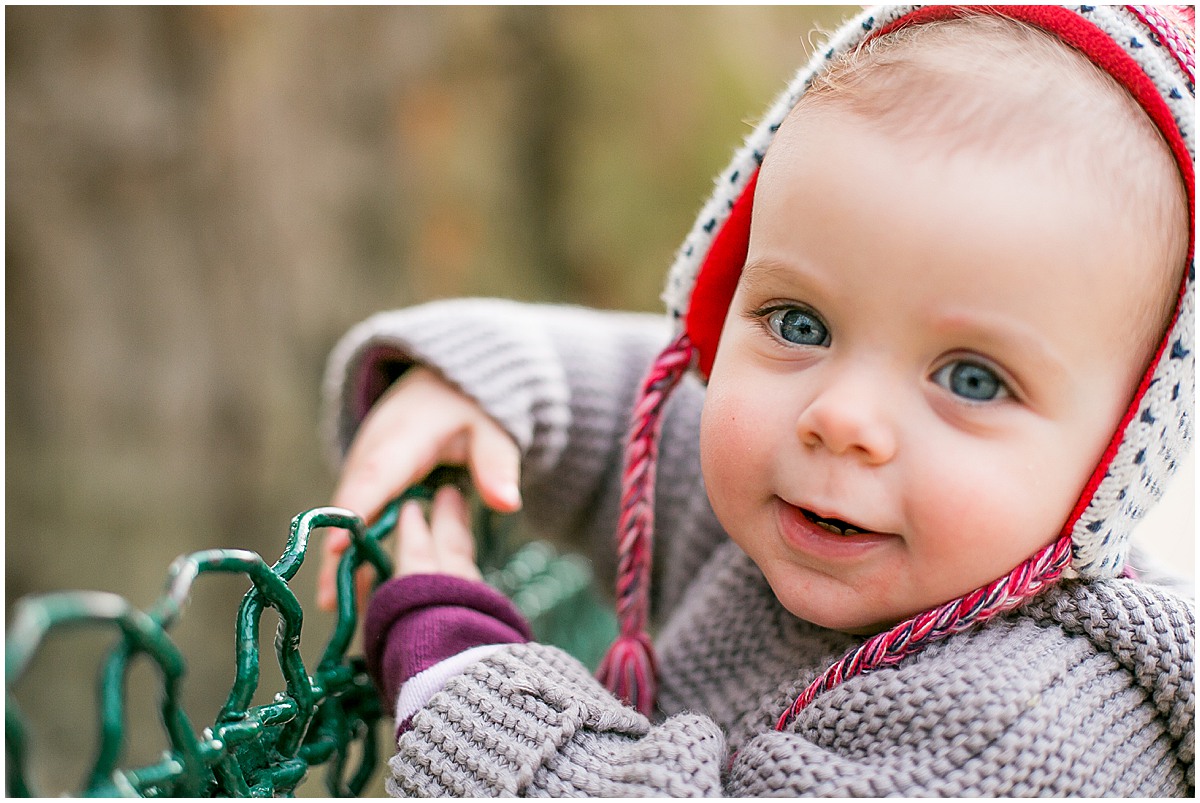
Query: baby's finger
{"points": [[495, 464], [415, 551], [417, 424], [364, 582], [378, 473], [333, 544], [450, 525]]}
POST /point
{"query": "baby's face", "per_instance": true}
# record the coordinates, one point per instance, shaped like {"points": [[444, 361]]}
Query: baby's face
{"points": [[933, 349]]}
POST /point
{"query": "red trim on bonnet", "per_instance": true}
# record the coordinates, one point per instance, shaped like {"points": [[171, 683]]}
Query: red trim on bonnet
{"points": [[717, 279]]}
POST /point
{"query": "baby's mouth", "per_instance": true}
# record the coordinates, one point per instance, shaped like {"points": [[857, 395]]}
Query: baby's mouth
{"points": [[835, 526]]}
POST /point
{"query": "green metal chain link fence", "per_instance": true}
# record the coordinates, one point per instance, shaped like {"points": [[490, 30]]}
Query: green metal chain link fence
{"points": [[318, 718]]}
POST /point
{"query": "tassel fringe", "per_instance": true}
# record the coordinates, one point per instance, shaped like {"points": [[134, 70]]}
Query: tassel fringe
{"points": [[629, 669]]}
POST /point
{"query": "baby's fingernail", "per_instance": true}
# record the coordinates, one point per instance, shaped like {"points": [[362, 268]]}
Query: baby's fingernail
{"points": [[511, 494], [412, 510], [450, 492], [453, 497]]}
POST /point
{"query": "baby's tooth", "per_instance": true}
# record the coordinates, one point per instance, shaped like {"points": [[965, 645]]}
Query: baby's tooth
{"points": [[826, 526]]}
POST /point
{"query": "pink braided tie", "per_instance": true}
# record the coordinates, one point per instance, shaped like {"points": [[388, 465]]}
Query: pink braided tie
{"points": [[906, 638], [629, 669]]}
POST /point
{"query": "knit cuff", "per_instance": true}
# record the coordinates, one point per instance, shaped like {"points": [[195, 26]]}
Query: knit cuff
{"points": [[418, 690], [416, 621]]}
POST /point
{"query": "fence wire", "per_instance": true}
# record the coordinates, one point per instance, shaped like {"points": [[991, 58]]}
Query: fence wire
{"points": [[322, 718]]}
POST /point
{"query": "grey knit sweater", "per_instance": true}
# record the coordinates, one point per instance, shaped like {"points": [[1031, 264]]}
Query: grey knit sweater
{"points": [[1089, 690]]}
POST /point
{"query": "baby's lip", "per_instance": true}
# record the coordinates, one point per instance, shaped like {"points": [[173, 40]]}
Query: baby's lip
{"points": [[828, 517], [825, 537]]}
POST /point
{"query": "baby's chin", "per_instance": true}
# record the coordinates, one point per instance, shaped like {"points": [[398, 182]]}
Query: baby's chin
{"points": [[850, 618], [869, 630], [856, 629]]}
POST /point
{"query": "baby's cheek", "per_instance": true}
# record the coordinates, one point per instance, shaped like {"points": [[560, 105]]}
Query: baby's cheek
{"points": [[976, 523], [728, 451]]}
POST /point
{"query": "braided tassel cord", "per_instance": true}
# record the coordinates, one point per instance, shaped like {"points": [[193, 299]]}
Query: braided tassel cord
{"points": [[629, 669], [910, 636]]}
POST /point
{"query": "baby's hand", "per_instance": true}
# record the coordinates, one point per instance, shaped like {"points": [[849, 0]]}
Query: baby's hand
{"points": [[419, 423], [443, 546]]}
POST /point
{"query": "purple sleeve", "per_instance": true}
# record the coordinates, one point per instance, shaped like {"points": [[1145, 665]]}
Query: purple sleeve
{"points": [[381, 367], [414, 622]]}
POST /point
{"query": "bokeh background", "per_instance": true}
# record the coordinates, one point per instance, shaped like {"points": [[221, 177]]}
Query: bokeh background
{"points": [[200, 201]]}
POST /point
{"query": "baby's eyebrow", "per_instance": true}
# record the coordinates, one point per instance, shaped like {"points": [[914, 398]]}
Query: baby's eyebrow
{"points": [[756, 270], [768, 271], [787, 275], [1009, 337]]}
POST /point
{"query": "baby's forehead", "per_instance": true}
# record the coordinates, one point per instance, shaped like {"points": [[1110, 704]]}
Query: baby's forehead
{"points": [[985, 86], [986, 83]]}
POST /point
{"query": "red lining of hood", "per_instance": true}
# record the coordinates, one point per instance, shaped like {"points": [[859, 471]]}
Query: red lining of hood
{"points": [[718, 278]]}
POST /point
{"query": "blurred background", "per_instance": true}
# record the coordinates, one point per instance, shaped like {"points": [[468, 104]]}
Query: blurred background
{"points": [[200, 201]]}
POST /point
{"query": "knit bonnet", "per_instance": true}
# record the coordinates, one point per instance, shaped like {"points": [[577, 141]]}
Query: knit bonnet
{"points": [[1151, 53]]}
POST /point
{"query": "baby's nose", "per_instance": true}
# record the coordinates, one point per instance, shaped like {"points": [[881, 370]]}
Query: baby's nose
{"points": [[850, 416]]}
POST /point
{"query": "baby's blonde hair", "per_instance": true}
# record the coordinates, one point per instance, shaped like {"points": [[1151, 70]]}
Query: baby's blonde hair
{"points": [[991, 82]]}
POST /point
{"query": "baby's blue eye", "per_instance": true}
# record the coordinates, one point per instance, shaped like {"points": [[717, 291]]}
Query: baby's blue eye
{"points": [[798, 326], [970, 380]]}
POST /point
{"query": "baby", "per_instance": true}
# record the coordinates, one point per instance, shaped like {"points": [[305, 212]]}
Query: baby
{"points": [[940, 315]]}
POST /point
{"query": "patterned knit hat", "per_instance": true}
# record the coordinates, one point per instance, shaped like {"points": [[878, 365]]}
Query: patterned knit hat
{"points": [[1151, 53]]}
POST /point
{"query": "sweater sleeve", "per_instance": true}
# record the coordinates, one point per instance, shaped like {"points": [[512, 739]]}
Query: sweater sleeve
{"points": [[530, 720], [419, 620]]}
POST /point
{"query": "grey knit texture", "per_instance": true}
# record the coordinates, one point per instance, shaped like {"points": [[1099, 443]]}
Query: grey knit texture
{"points": [[1087, 691]]}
